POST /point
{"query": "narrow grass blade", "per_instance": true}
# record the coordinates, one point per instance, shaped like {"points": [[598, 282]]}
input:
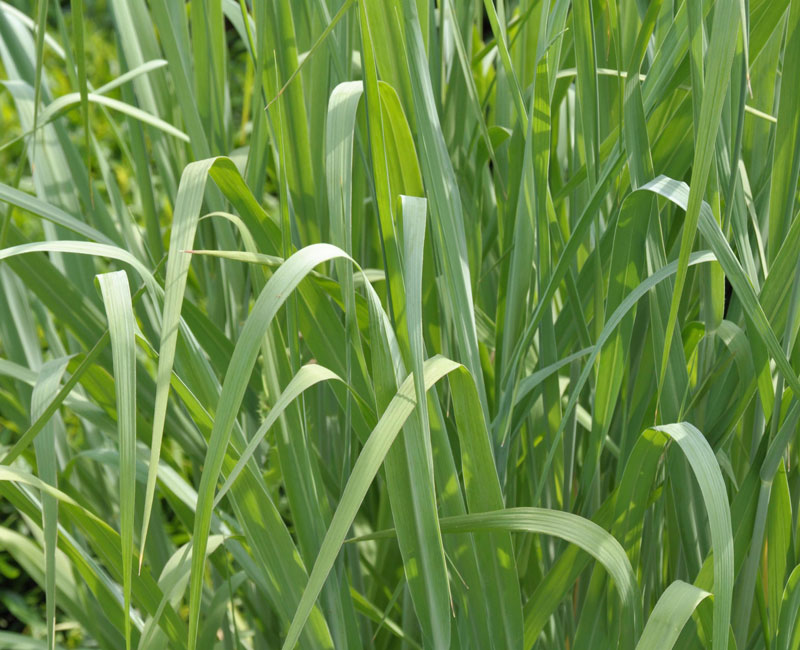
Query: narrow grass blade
{"points": [[786, 155], [46, 461], [789, 626], [720, 57], [78, 39], [445, 202]]}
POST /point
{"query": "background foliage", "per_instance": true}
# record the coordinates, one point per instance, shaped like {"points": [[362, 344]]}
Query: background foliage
{"points": [[399, 324]]}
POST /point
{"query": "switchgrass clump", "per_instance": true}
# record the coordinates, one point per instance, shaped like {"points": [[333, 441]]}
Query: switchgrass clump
{"points": [[399, 324]]}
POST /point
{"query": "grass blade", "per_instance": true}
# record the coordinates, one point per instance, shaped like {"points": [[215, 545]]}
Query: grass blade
{"points": [[46, 385], [671, 612], [121, 326]]}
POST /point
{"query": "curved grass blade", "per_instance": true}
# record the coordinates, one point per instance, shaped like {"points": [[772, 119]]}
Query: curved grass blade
{"points": [[124, 108], [575, 529], [30, 24], [57, 107], [121, 326], [285, 279], [680, 194], [712, 487], [584, 533], [669, 616], [88, 248], [495, 553], [51, 213], [372, 456], [184, 226], [611, 324], [305, 378], [339, 136], [364, 471]]}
